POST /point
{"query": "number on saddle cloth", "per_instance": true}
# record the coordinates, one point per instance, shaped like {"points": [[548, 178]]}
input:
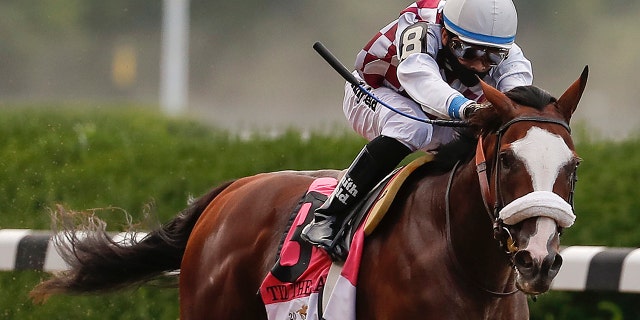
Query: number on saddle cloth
{"points": [[285, 269]]}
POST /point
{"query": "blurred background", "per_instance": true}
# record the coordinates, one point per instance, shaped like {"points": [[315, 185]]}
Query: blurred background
{"points": [[251, 65]]}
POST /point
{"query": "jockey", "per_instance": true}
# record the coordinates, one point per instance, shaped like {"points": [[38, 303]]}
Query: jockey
{"points": [[428, 62]]}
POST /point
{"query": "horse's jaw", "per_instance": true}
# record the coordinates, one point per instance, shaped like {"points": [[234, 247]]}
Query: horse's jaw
{"points": [[538, 260]]}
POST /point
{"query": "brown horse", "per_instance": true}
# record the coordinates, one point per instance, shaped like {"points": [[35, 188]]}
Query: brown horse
{"points": [[463, 239]]}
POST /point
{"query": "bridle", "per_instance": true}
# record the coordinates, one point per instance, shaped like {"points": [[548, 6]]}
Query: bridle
{"points": [[500, 230]]}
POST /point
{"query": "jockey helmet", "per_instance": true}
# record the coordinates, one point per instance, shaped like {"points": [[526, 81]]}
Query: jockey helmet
{"points": [[490, 23]]}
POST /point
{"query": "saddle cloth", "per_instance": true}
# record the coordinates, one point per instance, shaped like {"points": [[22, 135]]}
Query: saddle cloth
{"points": [[304, 283]]}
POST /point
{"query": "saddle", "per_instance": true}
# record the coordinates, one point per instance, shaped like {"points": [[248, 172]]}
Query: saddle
{"points": [[374, 206]]}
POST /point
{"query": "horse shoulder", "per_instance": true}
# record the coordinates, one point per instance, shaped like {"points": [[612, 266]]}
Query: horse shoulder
{"points": [[403, 257]]}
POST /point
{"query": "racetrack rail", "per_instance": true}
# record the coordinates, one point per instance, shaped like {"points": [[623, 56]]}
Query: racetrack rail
{"points": [[585, 268]]}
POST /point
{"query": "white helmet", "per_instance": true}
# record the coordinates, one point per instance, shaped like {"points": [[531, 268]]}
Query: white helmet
{"points": [[483, 22]]}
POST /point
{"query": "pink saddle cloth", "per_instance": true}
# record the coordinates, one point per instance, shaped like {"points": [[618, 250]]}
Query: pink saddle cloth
{"points": [[295, 287]]}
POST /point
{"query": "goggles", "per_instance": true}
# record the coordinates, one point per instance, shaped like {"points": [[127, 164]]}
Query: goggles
{"points": [[466, 51]]}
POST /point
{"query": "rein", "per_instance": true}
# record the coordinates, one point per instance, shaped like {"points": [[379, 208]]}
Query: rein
{"points": [[501, 232]]}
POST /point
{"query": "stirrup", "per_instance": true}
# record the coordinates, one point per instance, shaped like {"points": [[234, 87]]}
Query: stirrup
{"points": [[321, 232], [336, 250]]}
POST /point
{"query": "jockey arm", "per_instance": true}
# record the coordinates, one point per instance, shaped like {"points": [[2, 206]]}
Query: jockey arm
{"points": [[419, 74], [420, 77]]}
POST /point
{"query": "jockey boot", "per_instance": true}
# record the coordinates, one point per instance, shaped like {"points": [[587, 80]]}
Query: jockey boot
{"points": [[376, 160]]}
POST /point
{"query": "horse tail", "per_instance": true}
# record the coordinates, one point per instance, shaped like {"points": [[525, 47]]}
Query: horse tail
{"points": [[98, 263]]}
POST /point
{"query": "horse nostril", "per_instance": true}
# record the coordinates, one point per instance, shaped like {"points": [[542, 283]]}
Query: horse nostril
{"points": [[523, 260], [557, 263]]}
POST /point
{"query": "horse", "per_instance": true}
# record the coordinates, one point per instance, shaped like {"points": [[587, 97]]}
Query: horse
{"points": [[470, 235]]}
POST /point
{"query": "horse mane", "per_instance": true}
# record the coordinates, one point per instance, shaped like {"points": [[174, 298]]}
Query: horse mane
{"points": [[460, 149], [485, 121], [531, 96], [488, 120]]}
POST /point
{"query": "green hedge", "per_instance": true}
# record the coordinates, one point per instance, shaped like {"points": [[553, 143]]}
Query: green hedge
{"points": [[136, 159]]}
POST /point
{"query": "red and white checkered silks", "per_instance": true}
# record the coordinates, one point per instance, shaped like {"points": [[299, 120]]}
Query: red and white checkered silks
{"points": [[377, 62]]}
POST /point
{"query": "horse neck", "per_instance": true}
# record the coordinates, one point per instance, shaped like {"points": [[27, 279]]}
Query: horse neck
{"points": [[471, 233]]}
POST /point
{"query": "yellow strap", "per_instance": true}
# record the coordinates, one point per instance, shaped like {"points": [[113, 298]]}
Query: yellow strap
{"points": [[388, 194]]}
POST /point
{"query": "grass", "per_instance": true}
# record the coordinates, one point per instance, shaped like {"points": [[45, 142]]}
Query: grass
{"points": [[131, 157]]}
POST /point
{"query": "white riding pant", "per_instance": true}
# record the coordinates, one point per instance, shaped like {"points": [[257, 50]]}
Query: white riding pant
{"points": [[371, 119]]}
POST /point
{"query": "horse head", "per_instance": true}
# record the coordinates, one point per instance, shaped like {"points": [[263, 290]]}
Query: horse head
{"points": [[531, 174]]}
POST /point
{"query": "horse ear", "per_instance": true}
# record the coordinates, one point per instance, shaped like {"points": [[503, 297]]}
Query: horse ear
{"points": [[568, 102], [498, 99]]}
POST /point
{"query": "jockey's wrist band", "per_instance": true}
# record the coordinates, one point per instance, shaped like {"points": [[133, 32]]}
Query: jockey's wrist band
{"points": [[456, 104]]}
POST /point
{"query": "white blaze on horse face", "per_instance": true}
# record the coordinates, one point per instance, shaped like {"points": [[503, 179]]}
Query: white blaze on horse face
{"points": [[538, 245], [543, 154]]}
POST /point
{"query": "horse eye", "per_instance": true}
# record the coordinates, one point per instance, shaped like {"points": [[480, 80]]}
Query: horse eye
{"points": [[506, 160], [576, 163], [572, 171]]}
